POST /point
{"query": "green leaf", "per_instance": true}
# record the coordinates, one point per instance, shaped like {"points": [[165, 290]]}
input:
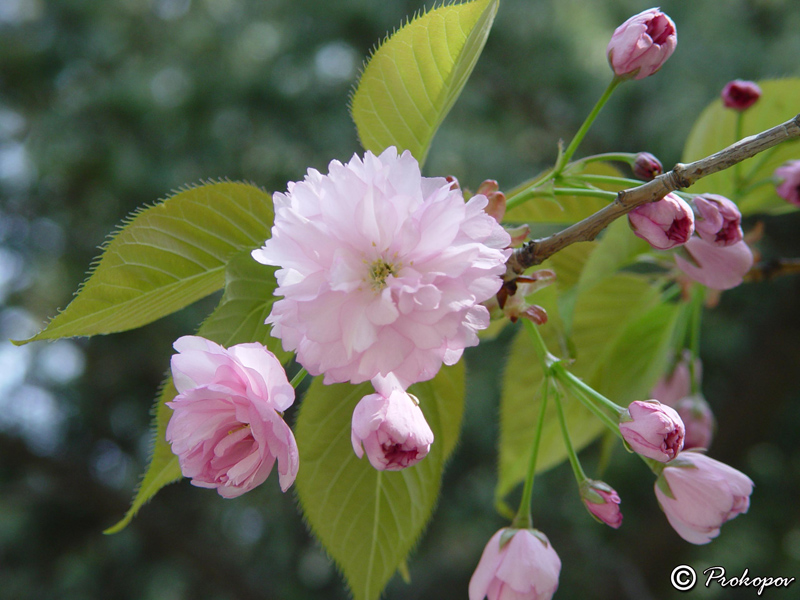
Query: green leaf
{"points": [[369, 520], [620, 333], [565, 209], [166, 257], [414, 78], [238, 318], [617, 248], [715, 129]]}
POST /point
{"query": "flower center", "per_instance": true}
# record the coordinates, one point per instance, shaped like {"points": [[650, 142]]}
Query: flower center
{"points": [[379, 271]]}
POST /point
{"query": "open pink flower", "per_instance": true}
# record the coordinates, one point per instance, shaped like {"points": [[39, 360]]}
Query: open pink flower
{"points": [[225, 427], [698, 494], [642, 44], [665, 223], [720, 221], [653, 430], [525, 568], [391, 427], [789, 176], [381, 270], [602, 501], [717, 267]]}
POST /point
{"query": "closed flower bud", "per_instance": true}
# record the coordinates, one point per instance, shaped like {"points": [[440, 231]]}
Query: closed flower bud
{"points": [[698, 494], [225, 427], [518, 564], [665, 223], [602, 501], [642, 44], [716, 267], [653, 430], [789, 176], [698, 419], [390, 427], [647, 167], [740, 95], [720, 221], [497, 199], [677, 384]]}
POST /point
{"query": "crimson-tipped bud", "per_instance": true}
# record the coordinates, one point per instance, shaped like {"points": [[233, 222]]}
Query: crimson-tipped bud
{"points": [[602, 501], [720, 221], [789, 175], [740, 95], [642, 44], [665, 223], [698, 494], [716, 267], [516, 563], [698, 419], [497, 199], [653, 430], [647, 167]]}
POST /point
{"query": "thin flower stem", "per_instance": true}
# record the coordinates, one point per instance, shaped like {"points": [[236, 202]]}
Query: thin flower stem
{"points": [[626, 157], [566, 378], [609, 179], [547, 193], [698, 297], [530, 184], [576, 383], [298, 379], [573, 145], [524, 519], [737, 168], [577, 469]]}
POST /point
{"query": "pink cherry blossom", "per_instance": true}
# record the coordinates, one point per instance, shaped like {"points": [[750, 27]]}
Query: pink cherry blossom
{"points": [[602, 501], [226, 428], [720, 221], [653, 430], [717, 267], [391, 427], [525, 568], [381, 270], [740, 95], [647, 167], [698, 494], [789, 176], [642, 44], [665, 223], [677, 384], [698, 419]]}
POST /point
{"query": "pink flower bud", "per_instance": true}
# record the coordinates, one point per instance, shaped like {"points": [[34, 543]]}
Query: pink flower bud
{"points": [[653, 430], [665, 223], [789, 174], [391, 427], [516, 564], [698, 419], [225, 427], [602, 501], [740, 95], [717, 267], [647, 167], [698, 494], [678, 383], [642, 44], [720, 221], [497, 199]]}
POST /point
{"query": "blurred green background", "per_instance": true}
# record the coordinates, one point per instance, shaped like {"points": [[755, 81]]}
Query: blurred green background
{"points": [[107, 106]]}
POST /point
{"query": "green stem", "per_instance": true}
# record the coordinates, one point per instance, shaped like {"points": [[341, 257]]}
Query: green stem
{"points": [[698, 297], [626, 157], [524, 519], [609, 179], [763, 159], [577, 469], [573, 145], [542, 193], [589, 401], [737, 168], [298, 379]]}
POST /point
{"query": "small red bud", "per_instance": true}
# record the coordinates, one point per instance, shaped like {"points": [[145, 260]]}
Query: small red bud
{"points": [[740, 95], [647, 167]]}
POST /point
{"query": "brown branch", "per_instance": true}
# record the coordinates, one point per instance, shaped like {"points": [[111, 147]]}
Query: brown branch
{"points": [[772, 269], [535, 252]]}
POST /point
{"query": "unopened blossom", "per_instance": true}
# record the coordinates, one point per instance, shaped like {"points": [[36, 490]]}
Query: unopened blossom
{"points": [[678, 383], [720, 221], [226, 428], [740, 95], [390, 427], [602, 501], [716, 267], [698, 420], [524, 567], [698, 494], [665, 223], [653, 430], [647, 167], [642, 44], [789, 176], [497, 199], [381, 270]]}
